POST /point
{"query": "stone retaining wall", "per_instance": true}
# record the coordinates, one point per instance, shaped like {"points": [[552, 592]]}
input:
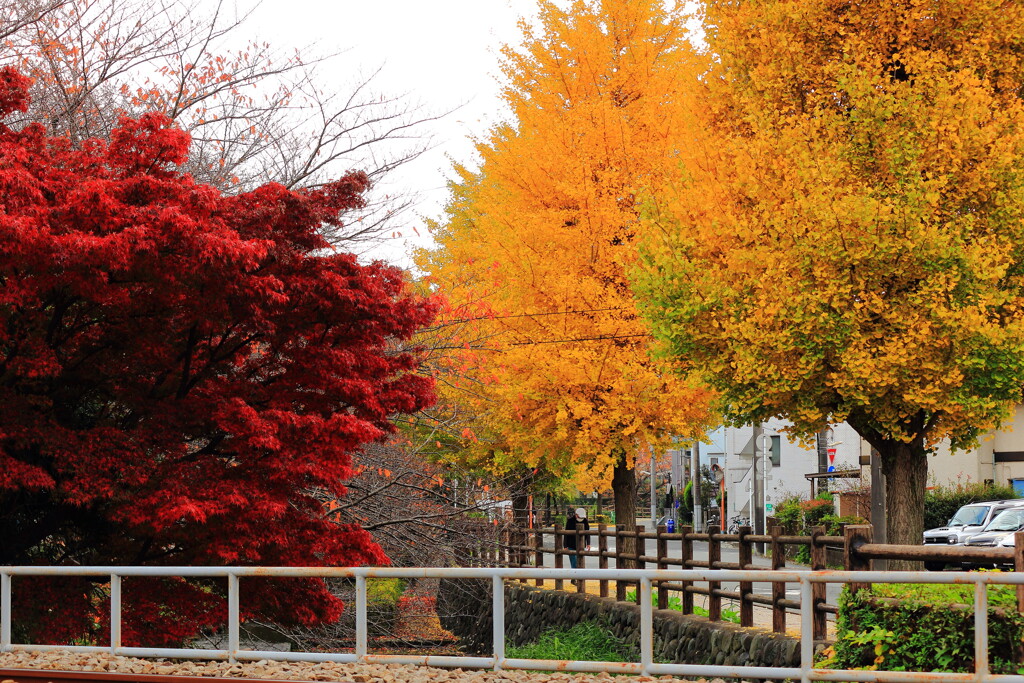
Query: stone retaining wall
{"points": [[464, 606]]}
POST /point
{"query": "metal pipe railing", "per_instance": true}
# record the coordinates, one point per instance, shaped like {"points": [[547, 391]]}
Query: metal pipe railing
{"points": [[498, 575]]}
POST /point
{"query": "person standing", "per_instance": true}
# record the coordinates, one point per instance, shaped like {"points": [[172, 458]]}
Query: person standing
{"points": [[577, 523]]}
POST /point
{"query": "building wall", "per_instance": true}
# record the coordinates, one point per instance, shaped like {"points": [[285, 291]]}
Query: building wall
{"points": [[734, 448], [999, 457]]}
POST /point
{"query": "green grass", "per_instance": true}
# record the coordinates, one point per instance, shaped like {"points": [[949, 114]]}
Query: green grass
{"points": [[676, 603], [587, 641]]}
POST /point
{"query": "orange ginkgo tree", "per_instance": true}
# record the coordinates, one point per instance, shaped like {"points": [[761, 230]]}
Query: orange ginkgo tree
{"points": [[534, 250], [843, 237]]}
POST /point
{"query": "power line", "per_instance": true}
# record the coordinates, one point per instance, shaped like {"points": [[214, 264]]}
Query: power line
{"points": [[534, 315], [577, 339]]}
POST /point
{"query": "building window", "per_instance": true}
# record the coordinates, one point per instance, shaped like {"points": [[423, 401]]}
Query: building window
{"points": [[776, 450]]}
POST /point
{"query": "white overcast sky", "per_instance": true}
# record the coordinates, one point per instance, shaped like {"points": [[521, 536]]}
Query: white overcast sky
{"points": [[442, 53]]}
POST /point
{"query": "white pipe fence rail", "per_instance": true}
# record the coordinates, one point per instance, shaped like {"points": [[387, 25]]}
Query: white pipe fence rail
{"points": [[498, 575]]}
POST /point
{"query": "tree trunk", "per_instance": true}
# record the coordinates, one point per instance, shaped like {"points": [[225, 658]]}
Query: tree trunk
{"points": [[520, 494], [905, 466], [624, 488]]}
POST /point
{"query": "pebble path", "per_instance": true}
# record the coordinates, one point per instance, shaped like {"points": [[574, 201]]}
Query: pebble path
{"points": [[302, 671]]}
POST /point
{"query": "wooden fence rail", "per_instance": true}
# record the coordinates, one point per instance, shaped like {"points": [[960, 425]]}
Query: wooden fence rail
{"points": [[634, 546]]}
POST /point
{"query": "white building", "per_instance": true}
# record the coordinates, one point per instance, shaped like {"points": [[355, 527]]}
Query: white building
{"points": [[999, 458], [797, 469], [750, 491]]}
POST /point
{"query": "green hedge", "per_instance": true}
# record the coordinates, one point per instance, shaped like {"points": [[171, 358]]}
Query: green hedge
{"points": [[924, 628]]}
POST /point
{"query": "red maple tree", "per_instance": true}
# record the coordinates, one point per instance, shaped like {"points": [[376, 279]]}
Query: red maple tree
{"points": [[180, 372]]}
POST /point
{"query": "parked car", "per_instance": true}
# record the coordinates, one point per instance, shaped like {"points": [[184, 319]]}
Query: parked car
{"points": [[968, 522], [999, 532]]}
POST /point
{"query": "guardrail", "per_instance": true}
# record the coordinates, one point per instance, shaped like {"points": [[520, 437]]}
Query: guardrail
{"points": [[644, 577]]}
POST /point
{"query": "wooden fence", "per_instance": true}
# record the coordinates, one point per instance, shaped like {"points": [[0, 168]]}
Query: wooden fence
{"points": [[637, 547]]}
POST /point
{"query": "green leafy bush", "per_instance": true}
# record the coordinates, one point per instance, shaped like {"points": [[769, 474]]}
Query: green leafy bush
{"points": [[896, 627], [588, 641], [942, 502], [797, 517]]}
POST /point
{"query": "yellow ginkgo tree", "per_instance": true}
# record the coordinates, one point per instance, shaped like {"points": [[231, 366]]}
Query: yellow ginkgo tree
{"points": [[843, 238], [534, 249]]}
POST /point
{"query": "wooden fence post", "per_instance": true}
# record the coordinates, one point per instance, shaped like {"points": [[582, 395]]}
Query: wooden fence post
{"points": [[641, 550], [602, 560], [559, 541], [856, 535], [778, 587], [746, 559], [714, 558], [538, 551], [686, 556], [818, 562], [620, 586], [662, 552]]}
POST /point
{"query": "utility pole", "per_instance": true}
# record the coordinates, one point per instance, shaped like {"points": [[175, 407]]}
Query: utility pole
{"points": [[695, 478]]}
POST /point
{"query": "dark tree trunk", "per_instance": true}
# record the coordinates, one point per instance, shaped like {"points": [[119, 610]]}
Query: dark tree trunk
{"points": [[624, 488], [520, 494], [905, 466]]}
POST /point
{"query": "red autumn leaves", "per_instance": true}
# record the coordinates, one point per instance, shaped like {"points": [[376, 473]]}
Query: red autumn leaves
{"points": [[179, 371]]}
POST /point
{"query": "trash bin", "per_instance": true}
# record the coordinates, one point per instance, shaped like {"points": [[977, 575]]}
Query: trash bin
{"points": [[671, 526]]}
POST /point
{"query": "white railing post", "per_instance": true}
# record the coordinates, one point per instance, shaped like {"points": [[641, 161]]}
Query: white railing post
{"points": [[233, 619], [5, 612], [115, 613], [646, 626], [980, 630], [498, 625], [361, 618], [806, 629]]}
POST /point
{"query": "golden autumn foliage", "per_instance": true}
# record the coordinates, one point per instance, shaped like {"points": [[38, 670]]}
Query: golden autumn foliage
{"points": [[535, 247], [843, 238]]}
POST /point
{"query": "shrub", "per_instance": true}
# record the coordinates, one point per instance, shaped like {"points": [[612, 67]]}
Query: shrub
{"points": [[924, 628], [382, 598], [942, 502], [797, 516], [815, 510], [790, 515]]}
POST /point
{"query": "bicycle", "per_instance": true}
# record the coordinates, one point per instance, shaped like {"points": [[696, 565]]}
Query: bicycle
{"points": [[736, 522]]}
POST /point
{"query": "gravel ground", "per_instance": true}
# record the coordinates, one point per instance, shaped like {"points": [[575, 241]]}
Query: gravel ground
{"points": [[353, 673]]}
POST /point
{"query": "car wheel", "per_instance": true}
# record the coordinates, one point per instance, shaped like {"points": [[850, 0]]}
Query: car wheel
{"points": [[935, 566]]}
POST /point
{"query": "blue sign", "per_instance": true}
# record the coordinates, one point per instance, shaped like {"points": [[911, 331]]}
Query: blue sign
{"points": [[670, 526], [831, 468]]}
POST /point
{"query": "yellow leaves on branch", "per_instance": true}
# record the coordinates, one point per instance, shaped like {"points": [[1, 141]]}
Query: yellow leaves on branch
{"points": [[844, 230], [544, 236]]}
